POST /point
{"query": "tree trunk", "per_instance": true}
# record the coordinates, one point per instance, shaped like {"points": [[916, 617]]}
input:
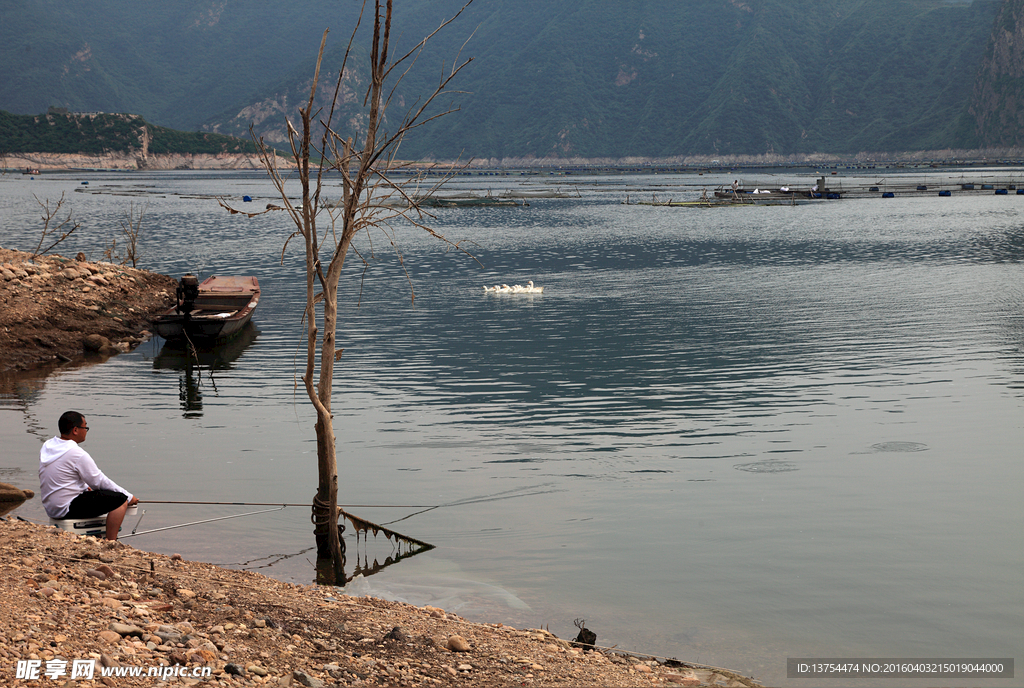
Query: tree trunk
{"points": [[327, 451], [330, 565]]}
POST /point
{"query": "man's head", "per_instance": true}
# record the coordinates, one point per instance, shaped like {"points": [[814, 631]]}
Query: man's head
{"points": [[72, 426]]}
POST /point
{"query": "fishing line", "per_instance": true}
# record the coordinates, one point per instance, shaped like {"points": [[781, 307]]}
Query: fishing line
{"points": [[474, 500]]}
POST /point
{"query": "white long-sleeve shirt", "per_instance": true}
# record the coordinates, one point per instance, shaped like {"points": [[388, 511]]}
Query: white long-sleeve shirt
{"points": [[66, 471]]}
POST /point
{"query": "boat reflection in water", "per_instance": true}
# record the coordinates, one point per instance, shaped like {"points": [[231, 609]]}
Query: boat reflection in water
{"points": [[195, 359]]}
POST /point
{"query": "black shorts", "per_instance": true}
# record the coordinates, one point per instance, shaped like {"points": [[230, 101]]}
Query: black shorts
{"points": [[95, 503]]}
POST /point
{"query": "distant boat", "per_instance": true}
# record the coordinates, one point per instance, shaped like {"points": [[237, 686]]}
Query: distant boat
{"points": [[466, 202], [218, 308]]}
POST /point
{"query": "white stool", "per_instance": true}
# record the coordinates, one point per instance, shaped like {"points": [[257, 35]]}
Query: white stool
{"points": [[97, 525]]}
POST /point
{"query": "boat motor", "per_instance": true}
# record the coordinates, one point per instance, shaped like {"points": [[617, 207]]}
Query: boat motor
{"points": [[187, 293]]}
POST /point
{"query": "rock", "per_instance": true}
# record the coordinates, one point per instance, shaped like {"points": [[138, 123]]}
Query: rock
{"points": [[94, 342], [95, 573], [586, 637], [688, 679], [234, 669], [169, 639], [125, 629], [642, 668], [110, 637], [465, 667], [258, 670], [12, 497], [456, 643], [397, 634], [306, 680]]}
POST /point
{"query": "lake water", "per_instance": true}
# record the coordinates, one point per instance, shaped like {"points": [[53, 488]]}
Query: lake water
{"points": [[729, 436]]}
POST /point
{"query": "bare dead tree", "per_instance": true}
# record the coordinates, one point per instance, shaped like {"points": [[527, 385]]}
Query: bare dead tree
{"points": [[111, 254], [54, 224], [131, 223], [371, 200]]}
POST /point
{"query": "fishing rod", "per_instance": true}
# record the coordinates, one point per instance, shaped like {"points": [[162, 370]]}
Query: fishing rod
{"points": [[360, 524], [511, 494], [194, 523], [346, 506]]}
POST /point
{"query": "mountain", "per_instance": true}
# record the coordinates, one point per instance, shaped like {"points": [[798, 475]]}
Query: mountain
{"points": [[588, 78], [174, 63], [995, 117]]}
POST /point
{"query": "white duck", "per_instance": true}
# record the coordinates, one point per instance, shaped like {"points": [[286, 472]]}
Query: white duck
{"points": [[517, 289]]}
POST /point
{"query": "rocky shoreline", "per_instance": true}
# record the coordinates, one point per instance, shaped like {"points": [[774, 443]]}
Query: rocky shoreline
{"points": [[79, 603], [135, 161], [56, 310]]}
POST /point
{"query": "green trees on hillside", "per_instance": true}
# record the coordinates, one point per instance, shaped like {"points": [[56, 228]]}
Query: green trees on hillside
{"points": [[95, 134]]}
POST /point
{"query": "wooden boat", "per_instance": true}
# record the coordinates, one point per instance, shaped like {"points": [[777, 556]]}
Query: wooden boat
{"points": [[218, 308]]}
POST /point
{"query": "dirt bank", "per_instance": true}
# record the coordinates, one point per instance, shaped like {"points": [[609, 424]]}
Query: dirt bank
{"points": [[68, 598], [48, 307]]}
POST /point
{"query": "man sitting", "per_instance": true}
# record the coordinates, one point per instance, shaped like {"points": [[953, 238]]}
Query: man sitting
{"points": [[72, 486]]}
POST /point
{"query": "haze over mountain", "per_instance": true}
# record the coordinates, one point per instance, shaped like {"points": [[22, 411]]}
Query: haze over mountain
{"points": [[588, 78]]}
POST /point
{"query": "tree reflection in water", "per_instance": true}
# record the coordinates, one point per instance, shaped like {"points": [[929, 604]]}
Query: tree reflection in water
{"points": [[193, 359]]}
